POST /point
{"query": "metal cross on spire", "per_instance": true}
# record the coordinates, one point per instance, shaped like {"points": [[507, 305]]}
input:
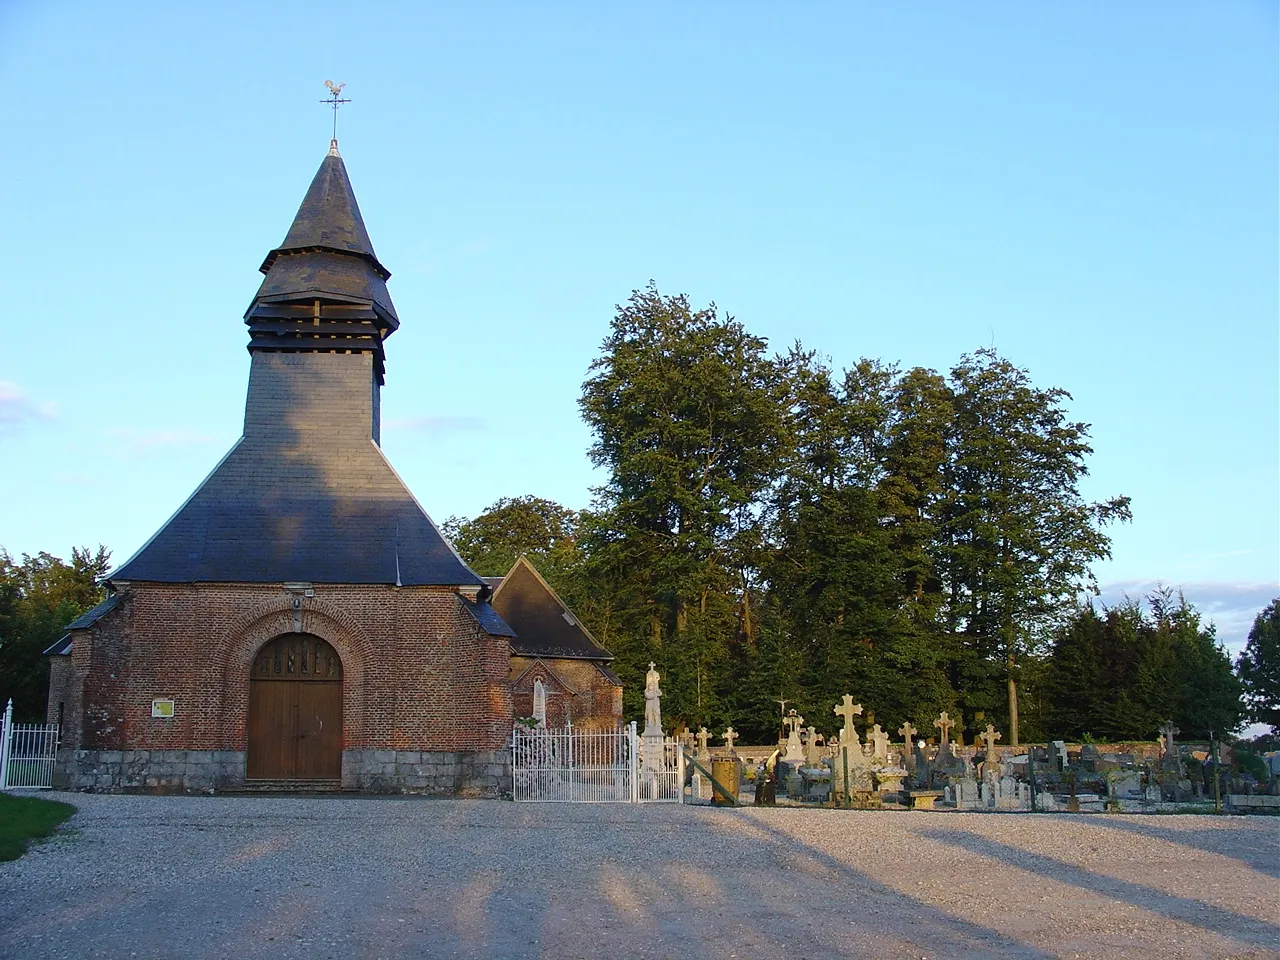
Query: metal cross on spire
{"points": [[335, 100]]}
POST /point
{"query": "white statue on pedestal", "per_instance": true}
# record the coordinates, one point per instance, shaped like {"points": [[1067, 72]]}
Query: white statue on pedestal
{"points": [[652, 703]]}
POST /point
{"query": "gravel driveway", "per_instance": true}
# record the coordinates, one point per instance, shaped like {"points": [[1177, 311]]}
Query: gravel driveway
{"points": [[251, 877]]}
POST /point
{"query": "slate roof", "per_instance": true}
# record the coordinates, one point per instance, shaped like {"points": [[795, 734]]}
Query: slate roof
{"points": [[349, 519], [543, 625], [327, 251], [62, 646], [316, 501], [488, 618], [94, 614]]}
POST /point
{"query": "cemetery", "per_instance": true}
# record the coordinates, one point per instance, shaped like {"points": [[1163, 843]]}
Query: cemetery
{"points": [[873, 770]]}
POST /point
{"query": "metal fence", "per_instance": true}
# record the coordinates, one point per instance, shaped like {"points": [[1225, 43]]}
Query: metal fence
{"points": [[28, 752], [568, 765]]}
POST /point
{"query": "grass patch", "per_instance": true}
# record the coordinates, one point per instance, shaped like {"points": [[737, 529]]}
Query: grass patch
{"points": [[27, 818]]}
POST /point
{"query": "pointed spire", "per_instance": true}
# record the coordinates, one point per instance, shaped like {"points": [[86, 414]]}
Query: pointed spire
{"points": [[327, 253], [329, 218]]}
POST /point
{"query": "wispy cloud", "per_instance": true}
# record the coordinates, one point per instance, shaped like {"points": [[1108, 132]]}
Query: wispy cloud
{"points": [[141, 441], [1232, 606], [437, 424], [17, 409]]}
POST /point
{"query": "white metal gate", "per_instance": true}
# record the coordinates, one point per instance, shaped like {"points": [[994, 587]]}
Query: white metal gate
{"points": [[28, 752], [594, 766]]}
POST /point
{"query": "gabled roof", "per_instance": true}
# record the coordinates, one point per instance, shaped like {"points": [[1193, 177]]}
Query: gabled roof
{"points": [[544, 626]]}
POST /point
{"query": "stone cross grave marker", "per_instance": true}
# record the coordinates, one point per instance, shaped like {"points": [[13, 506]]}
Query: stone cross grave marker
{"points": [[811, 755], [703, 736], [989, 737], [847, 710], [879, 742], [944, 723], [907, 732], [1167, 732], [729, 736], [795, 749]]}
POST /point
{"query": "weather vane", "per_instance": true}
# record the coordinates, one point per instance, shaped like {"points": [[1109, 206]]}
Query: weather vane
{"points": [[335, 100]]}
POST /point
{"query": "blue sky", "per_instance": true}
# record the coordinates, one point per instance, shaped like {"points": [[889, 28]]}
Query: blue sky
{"points": [[1090, 188]]}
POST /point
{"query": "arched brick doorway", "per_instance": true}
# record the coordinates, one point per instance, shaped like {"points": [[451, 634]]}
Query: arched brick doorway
{"points": [[295, 710]]}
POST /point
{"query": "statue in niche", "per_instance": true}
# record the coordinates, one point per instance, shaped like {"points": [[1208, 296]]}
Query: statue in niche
{"points": [[540, 703]]}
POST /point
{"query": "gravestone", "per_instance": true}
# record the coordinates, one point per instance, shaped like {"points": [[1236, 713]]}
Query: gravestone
{"points": [[1057, 755], [847, 710], [795, 749], [944, 724], [989, 737], [703, 736], [879, 743], [812, 755], [728, 737]]}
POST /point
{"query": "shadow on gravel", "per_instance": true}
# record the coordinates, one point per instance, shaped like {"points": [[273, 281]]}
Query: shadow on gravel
{"points": [[916, 922], [1223, 923], [1256, 846]]}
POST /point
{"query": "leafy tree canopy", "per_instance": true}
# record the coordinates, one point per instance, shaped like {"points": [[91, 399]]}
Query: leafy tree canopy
{"points": [[1259, 668], [38, 597]]}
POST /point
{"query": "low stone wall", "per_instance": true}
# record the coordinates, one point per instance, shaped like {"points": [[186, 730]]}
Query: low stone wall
{"points": [[190, 771], [459, 773]]}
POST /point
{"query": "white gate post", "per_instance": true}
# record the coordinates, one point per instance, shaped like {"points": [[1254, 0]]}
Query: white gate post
{"points": [[634, 761], [5, 738], [679, 771]]}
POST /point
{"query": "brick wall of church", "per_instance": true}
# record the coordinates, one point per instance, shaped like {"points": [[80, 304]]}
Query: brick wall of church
{"points": [[418, 672], [576, 689]]}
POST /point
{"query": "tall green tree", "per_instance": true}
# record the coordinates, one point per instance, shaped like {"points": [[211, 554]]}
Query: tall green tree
{"points": [[1119, 673], [1259, 668], [852, 574], [38, 597], [686, 410], [1019, 539], [541, 528]]}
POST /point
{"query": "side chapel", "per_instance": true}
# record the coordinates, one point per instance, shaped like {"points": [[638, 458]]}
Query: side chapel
{"points": [[559, 674], [300, 620]]}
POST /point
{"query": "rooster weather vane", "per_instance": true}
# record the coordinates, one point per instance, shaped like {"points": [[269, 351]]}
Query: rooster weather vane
{"points": [[335, 100]]}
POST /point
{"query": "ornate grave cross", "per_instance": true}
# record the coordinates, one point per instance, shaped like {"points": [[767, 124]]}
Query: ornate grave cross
{"points": [[1167, 733], [879, 742], [907, 732], [703, 736], [989, 736], [944, 723], [847, 709], [794, 721], [729, 736]]}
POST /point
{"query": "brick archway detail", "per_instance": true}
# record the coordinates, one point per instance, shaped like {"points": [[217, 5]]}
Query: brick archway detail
{"points": [[272, 619]]}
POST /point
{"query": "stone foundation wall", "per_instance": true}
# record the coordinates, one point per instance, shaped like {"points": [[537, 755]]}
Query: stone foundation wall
{"points": [[458, 773], [441, 773], [159, 771]]}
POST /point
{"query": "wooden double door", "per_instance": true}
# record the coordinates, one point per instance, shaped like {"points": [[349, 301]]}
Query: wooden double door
{"points": [[295, 710]]}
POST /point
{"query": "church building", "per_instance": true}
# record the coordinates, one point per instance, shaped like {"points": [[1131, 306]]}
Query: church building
{"points": [[300, 620], [559, 674]]}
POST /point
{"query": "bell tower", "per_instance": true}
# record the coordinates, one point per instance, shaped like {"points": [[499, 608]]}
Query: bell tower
{"points": [[325, 293]]}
